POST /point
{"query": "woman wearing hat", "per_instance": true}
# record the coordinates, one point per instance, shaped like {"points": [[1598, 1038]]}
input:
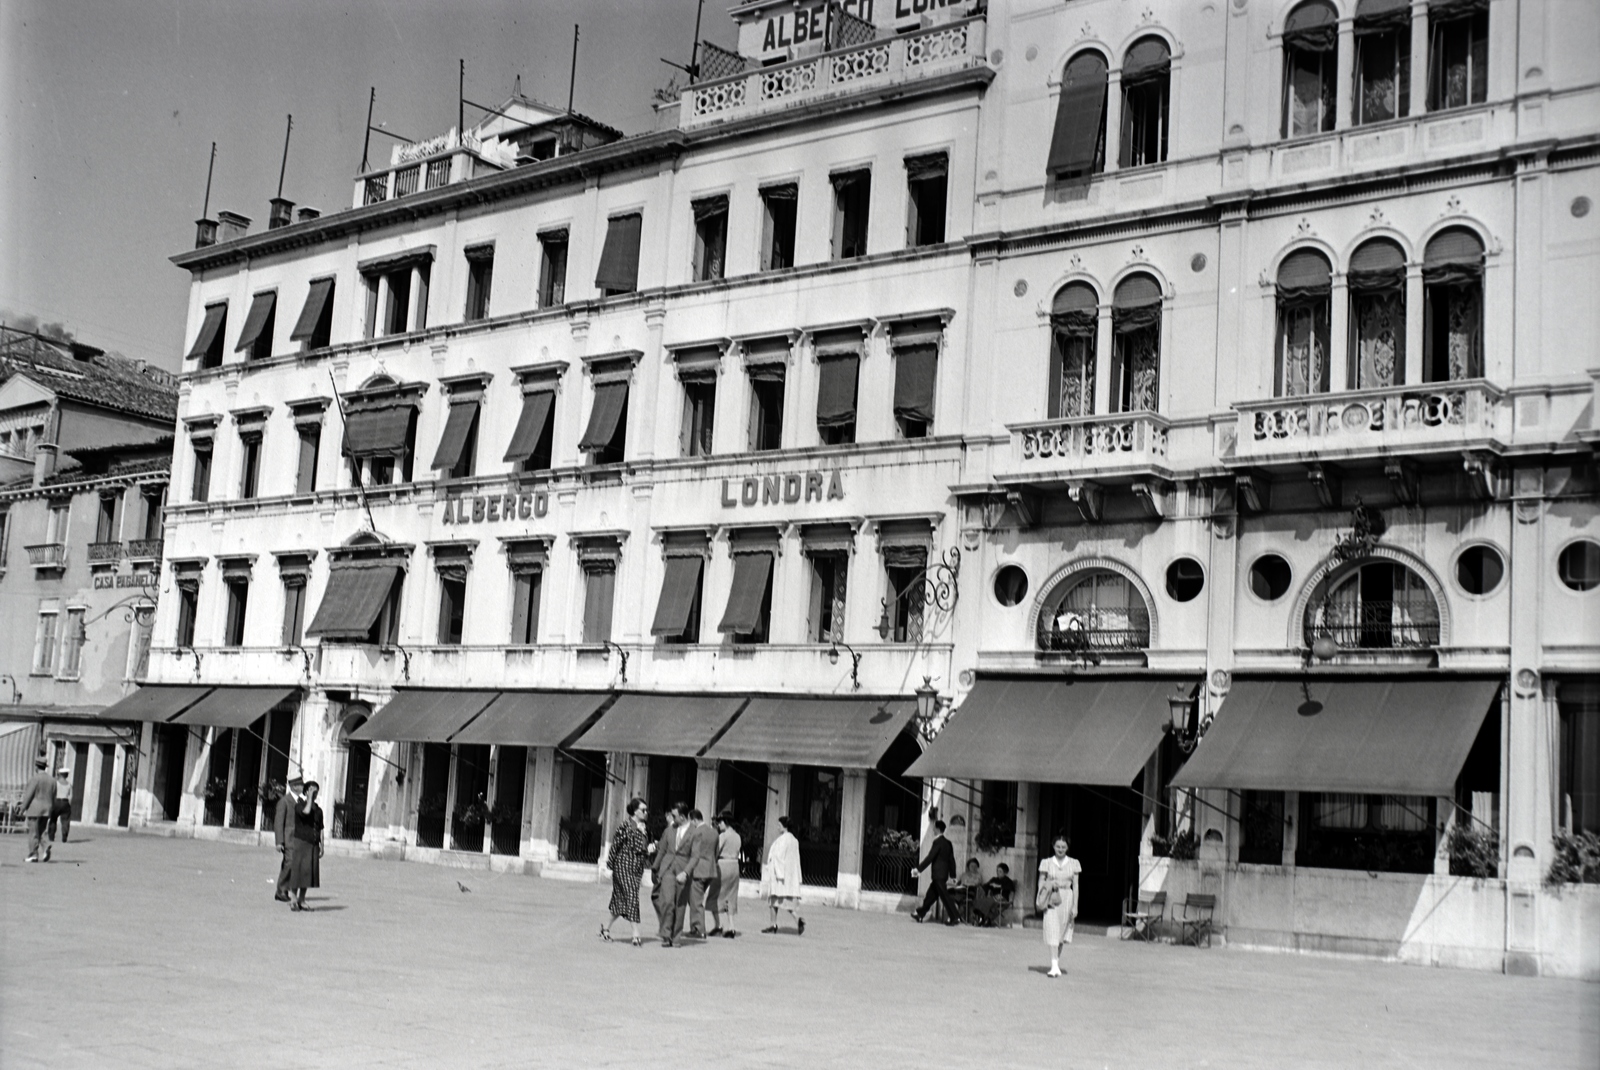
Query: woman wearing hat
{"points": [[305, 847], [725, 893]]}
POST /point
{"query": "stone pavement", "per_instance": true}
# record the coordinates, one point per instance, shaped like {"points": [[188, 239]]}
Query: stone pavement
{"points": [[136, 951]]}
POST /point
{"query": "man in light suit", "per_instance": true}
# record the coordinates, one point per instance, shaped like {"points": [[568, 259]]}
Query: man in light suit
{"points": [[702, 870], [671, 872], [38, 799], [282, 830]]}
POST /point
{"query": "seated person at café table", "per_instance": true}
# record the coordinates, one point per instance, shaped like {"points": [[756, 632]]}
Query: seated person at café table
{"points": [[978, 904], [1002, 890]]}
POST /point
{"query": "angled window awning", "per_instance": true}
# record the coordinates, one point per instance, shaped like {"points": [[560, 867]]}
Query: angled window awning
{"points": [[1057, 731], [456, 429], [678, 726], [378, 429], [609, 400], [535, 416], [850, 732], [261, 309], [619, 257], [235, 707], [750, 573], [353, 600], [424, 716], [1075, 143], [311, 313], [216, 315], [682, 583], [532, 718], [1377, 737], [153, 702]]}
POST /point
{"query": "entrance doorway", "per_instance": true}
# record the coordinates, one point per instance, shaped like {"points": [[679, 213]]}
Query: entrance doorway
{"points": [[434, 798], [170, 743], [672, 780], [350, 815], [742, 791], [581, 786], [1103, 825]]}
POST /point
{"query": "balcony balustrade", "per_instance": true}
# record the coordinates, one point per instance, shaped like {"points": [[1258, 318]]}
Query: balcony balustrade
{"points": [[1471, 414], [47, 555], [1374, 625], [937, 50], [105, 552], [1131, 443], [144, 549]]}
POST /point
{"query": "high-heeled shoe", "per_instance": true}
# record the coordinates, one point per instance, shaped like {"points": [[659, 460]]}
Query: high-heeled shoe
{"points": [[604, 935], [637, 942]]}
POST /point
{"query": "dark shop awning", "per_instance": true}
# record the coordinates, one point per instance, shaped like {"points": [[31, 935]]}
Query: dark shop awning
{"points": [[850, 732], [530, 425], [609, 400], [531, 718], [424, 716], [456, 429], [154, 702], [235, 707], [311, 312], [261, 307], [216, 315], [750, 574], [1065, 731], [678, 592], [1377, 737], [675, 725], [353, 600]]}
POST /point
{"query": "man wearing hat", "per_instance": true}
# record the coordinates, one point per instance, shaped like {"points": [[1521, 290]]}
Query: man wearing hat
{"points": [[37, 802], [62, 810], [283, 832]]}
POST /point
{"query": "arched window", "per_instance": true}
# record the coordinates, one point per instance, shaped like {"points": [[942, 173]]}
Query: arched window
{"points": [[1146, 82], [1074, 325], [1452, 315], [1375, 605], [1094, 610], [1078, 146], [1383, 60], [1377, 281], [1305, 292], [1136, 333], [1310, 65]]}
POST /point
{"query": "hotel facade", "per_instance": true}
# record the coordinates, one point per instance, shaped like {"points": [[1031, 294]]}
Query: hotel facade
{"points": [[1170, 426]]}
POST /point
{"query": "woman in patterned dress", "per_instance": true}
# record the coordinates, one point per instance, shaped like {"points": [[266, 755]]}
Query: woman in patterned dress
{"points": [[629, 850], [1058, 898]]}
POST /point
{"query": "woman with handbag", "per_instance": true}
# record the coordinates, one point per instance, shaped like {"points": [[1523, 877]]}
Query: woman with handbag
{"points": [[1058, 899]]}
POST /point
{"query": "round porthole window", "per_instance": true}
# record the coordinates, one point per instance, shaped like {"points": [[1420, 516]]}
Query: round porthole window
{"points": [[1010, 585], [1480, 569], [1579, 566], [1185, 579], [1269, 577]]}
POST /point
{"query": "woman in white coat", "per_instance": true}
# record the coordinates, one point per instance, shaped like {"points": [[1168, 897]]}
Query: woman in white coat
{"points": [[1058, 898], [780, 878]]}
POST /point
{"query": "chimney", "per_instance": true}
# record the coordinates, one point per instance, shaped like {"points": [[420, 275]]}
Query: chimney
{"points": [[233, 226], [307, 214], [44, 462], [205, 233], [279, 213]]}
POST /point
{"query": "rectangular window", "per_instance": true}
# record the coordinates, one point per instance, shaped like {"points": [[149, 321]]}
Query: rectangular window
{"points": [[44, 644], [155, 503], [314, 328], [105, 521], [677, 618], [916, 367], [72, 644], [370, 328], [452, 607], [927, 182], [599, 591], [1579, 756], [619, 258], [305, 477], [398, 310], [385, 630], [5, 527], [552, 269], [480, 277], [250, 477], [906, 568], [748, 617], [533, 439], [766, 406], [606, 438], [201, 489], [1261, 828], [56, 522], [526, 588], [458, 444], [699, 412], [188, 603], [710, 237], [294, 610], [779, 206], [1383, 68], [1377, 833], [1458, 61], [238, 600], [829, 572], [1310, 73], [839, 374], [852, 195], [260, 323]]}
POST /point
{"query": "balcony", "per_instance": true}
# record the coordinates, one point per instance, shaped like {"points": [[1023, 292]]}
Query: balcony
{"points": [[105, 553], [950, 47], [1082, 447], [144, 550], [1374, 625], [1438, 418], [439, 161], [47, 556]]}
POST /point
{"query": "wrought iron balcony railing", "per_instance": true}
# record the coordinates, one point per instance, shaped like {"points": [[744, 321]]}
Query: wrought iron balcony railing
{"points": [[1373, 625], [105, 551], [1094, 631], [144, 549]]}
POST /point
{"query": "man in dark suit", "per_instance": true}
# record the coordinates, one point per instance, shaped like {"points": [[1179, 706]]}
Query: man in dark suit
{"points": [[702, 870], [38, 799], [941, 866], [283, 830], [672, 874]]}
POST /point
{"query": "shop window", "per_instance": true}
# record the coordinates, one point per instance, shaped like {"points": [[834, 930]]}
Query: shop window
{"points": [[1304, 297], [852, 196], [1578, 566], [927, 183], [997, 816], [1375, 605], [1579, 759], [314, 328], [1146, 86], [1261, 828], [815, 804], [1377, 282], [1078, 143], [480, 281], [552, 268], [1136, 331], [1185, 579], [44, 642], [1010, 585], [1074, 330], [260, 323], [1458, 53], [779, 208], [766, 406], [599, 592], [1479, 569], [207, 348], [1452, 316], [619, 257], [710, 237], [830, 573], [1377, 833], [1382, 88], [1094, 611], [1269, 577], [1310, 68], [699, 411], [238, 589]]}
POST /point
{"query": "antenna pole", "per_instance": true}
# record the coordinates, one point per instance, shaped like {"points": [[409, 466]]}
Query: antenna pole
{"points": [[366, 143], [285, 164], [205, 211], [572, 78], [694, 53], [461, 108]]}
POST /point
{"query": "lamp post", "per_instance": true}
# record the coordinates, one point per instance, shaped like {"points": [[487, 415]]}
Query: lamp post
{"points": [[855, 661], [1181, 708]]}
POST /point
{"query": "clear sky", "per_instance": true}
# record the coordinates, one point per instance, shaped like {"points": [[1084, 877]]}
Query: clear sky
{"points": [[109, 109]]}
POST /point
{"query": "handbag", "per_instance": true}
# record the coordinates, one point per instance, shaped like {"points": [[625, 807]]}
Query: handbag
{"points": [[1048, 897]]}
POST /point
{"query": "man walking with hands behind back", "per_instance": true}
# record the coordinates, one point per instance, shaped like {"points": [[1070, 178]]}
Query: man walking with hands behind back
{"points": [[941, 866], [283, 832], [37, 801]]}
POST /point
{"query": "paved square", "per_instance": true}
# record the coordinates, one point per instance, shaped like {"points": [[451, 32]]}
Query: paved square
{"points": [[136, 951]]}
